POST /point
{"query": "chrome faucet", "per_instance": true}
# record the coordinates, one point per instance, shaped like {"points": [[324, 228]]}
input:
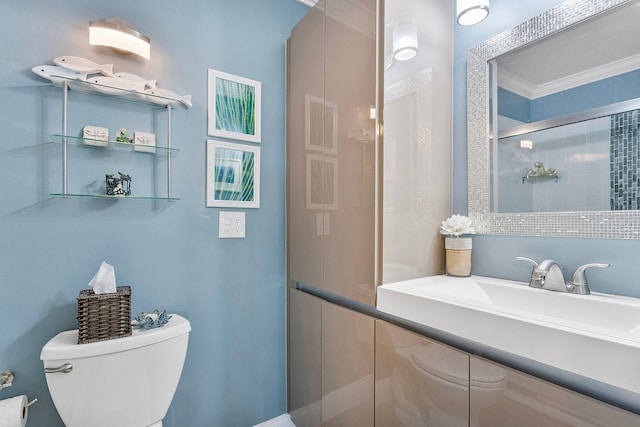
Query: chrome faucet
{"points": [[578, 284], [548, 275]]}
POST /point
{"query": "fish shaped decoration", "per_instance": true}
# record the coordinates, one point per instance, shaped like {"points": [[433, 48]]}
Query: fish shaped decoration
{"points": [[57, 74], [115, 86], [165, 97], [83, 65], [149, 84]]}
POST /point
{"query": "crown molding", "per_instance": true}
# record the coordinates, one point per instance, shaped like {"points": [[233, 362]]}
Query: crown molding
{"points": [[521, 87]]}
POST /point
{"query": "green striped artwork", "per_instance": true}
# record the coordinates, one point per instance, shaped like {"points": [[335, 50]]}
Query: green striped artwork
{"points": [[235, 107], [234, 175]]}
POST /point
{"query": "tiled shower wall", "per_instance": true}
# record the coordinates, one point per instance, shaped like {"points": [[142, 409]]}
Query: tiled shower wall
{"points": [[624, 161]]}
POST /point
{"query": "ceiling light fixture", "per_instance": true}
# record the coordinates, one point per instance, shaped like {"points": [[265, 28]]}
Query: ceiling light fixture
{"points": [[471, 12], [119, 35], [405, 42]]}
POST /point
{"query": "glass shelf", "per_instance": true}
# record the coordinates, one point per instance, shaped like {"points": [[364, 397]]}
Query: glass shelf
{"points": [[104, 196], [104, 90], [112, 145], [541, 178]]}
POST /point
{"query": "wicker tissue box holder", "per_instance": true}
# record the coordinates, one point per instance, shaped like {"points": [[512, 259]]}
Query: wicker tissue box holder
{"points": [[104, 316]]}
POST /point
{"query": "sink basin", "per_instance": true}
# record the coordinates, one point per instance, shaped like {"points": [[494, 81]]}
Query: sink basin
{"points": [[597, 335]]}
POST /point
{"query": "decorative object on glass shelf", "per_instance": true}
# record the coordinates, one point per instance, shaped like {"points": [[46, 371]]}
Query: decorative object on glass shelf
{"points": [[457, 249], [155, 319], [144, 142], [94, 135], [118, 186], [123, 136], [540, 174], [234, 109]]}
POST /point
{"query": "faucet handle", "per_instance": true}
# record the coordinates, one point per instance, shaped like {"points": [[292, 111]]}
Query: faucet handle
{"points": [[579, 284], [529, 260], [534, 281]]}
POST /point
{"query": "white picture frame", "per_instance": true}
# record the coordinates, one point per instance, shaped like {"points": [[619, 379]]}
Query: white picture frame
{"points": [[320, 125], [234, 107], [232, 175], [321, 182]]}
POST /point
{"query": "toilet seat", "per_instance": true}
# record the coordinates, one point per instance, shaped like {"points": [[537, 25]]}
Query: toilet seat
{"points": [[436, 360]]}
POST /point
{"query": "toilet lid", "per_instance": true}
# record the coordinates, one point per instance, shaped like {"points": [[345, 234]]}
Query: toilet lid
{"points": [[437, 361], [65, 345]]}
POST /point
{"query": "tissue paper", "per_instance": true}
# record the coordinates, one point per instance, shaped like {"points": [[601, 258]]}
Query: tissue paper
{"points": [[104, 281], [14, 411]]}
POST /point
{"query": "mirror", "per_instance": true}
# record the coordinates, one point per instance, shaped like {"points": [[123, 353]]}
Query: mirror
{"points": [[549, 139]]}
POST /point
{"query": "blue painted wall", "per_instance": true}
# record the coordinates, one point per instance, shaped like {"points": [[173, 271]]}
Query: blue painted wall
{"points": [[620, 88], [494, 255], [232, 291], [615, 89], [513, 106]]}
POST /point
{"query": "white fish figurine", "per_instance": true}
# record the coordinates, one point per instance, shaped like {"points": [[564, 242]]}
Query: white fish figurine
{"points": [[165, 96], [149, 84], [83, 65], [57, 74], [115, 86]]}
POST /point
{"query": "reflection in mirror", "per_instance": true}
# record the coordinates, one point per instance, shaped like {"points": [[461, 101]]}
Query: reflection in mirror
{"points": [[561, 120], [560, 103]]}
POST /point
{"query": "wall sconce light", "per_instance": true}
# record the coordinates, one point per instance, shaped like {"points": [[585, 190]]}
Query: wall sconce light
{"points": [[119, 35], [405, 42], [471, 12]]}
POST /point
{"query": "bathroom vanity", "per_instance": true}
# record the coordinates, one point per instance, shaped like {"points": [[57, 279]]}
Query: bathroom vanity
{"points": [[585, 344], [355, 365], [474, 391]]}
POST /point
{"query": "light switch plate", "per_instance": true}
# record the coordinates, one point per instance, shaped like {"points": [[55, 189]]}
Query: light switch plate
{"points": [[231, 225]]}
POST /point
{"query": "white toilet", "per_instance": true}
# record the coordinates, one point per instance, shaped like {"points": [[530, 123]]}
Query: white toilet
{"points": [[124, 382]]}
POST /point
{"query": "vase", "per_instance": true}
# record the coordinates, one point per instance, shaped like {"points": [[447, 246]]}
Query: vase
{"points": [[458, 256]]}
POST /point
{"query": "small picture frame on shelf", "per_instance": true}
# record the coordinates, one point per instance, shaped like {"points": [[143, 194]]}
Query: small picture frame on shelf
{"points": [[96, 136], [144, 142]]}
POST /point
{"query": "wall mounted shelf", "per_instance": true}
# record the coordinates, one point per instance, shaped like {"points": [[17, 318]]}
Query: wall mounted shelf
{"points": [[65, 139], [537, 179], [104, 196], [112, 145]]}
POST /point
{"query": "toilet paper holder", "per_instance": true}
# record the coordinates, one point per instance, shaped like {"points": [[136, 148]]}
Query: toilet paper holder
{"points": [[6, 379]]}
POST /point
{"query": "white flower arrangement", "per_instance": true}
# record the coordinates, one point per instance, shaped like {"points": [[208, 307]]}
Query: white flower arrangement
{"points": [[457, 225]]}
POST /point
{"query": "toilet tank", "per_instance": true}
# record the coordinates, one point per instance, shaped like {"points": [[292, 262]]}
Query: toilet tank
{"points": [[124, 382]]}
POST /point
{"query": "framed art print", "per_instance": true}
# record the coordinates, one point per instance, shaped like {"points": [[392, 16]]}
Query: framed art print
{"points": [[321, 182], [321, 125], [234, 107], [233, 175]]}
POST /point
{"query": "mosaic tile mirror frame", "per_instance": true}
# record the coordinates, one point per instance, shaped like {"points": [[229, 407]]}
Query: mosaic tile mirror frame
{"points": [[620, 224]]}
